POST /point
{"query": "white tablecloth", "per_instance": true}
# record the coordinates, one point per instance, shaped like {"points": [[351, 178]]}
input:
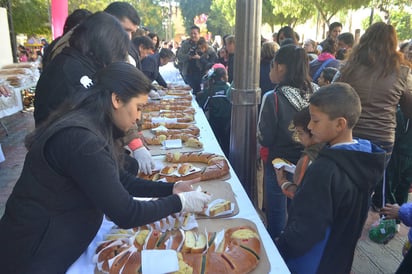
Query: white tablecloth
{"points": [[247, 211]]}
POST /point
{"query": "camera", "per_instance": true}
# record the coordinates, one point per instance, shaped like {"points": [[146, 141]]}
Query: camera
{"points": [[193, 50]]}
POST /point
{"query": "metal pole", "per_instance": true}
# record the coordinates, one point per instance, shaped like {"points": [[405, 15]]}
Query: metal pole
{"points": [[246, 93], [12, 34], [170, 22]]}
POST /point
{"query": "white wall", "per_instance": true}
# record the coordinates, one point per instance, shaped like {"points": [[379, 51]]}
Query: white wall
{"points": [[6, 56]]}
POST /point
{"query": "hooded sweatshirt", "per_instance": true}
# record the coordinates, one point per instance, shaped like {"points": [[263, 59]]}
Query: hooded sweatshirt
{"points": [[330, 207], [67, 75]]}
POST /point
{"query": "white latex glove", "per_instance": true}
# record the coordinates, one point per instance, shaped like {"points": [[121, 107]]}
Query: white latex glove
{"points": [[154, 94], [144, 159], [161, 92], [194, 201]]}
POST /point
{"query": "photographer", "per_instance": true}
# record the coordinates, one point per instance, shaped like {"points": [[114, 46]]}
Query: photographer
{"points": [[187, 60], [207, 56]]}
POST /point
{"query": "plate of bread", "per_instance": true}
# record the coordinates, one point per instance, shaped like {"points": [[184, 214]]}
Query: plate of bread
{"points": [[223, 203], [221, 246], [176, 166]]}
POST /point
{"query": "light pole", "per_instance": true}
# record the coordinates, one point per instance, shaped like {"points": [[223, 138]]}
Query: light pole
{"points": [[168, 6]]}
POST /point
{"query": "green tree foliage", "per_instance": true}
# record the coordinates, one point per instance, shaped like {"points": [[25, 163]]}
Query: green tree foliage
{"points": [[401, 20], [272, 17], [227, 8], [150, 12], [91, 5], [31, 17], [268, 16], [217, 24], [151, 15], [303, 10], [365, 23], [387, 6], [328, 9], [292, 12], [191, 8]]}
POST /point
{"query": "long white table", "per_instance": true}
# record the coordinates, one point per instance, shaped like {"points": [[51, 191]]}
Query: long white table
{"points": [[84, 264]]}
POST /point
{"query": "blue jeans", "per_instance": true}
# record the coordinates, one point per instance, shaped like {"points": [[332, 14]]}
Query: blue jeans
{"points": [[383, 192], [276, 201], [194, 80]]}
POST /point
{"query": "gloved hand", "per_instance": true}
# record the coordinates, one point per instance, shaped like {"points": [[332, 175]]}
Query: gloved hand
{"points": [[194, 201], [153, 94], [144, 159], [183, 186]]}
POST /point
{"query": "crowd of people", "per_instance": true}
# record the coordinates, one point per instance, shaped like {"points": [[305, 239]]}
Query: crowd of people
{"points": [[337, 110], [291, 74], [332, 189]]}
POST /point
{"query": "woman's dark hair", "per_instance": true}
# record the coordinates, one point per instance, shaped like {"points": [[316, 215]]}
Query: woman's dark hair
{"points": [[153, 35], [202, 41], [218, 74], [329, 73], [334, 25], [195, 27], [329, 45], [341, 54], [167, 53], [122, 10], [95, 105], [101, 38], [302, 119], [75, 18], [287, 41], [288, 32], [297, 66], [347, 38], [143, 41]]}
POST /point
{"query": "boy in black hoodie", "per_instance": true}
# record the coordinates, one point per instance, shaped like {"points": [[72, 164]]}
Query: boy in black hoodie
{"points": [[331, 204]]}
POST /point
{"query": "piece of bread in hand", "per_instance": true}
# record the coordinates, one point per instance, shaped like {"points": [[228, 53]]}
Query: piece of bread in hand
{"points": [[279, 163], [219, 207]]}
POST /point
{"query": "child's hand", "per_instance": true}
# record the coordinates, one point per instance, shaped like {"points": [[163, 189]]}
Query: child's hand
{"points": [[281, 175], [391, 211]]}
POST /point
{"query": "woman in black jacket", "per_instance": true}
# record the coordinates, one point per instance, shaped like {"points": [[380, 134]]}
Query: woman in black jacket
{"points": [[289, 69], [71, 177], [70, 72]]}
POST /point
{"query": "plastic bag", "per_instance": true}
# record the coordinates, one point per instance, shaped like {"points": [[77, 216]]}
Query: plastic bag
{"points": [[382, 231]]}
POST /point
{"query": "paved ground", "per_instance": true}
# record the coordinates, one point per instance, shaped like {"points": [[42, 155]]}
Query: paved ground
{"points": [[370, 258]]}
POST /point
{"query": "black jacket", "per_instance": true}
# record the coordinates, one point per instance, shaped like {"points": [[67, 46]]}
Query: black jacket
{"points": [[273, 128], [60, 81], [150, 67], [334, 196], [265, 83], [230, 67], [134, 53], [69, 180]]}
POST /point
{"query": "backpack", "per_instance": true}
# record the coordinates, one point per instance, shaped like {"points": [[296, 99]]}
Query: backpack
{"points": [[217, 105]]}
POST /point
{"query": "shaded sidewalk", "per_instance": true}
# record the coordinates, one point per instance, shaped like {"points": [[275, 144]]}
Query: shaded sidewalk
{"points": [[18, 125]]}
